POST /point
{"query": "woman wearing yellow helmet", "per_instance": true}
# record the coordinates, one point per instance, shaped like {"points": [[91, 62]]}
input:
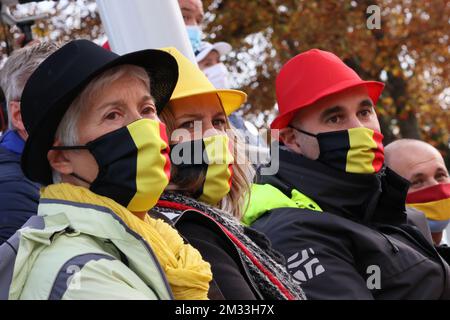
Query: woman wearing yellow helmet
{"points": [[210, 177]]}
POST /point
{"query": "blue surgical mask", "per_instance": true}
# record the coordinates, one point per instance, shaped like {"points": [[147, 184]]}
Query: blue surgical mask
{"points": [[437, 225], [195, 37]]}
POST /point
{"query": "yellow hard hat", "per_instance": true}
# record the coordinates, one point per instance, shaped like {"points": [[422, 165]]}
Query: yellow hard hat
{"points": [[192, 81]]}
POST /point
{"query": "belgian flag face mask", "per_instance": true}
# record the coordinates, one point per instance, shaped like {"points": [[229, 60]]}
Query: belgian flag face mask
{"points": [[356, 150], [133, 161], [209, 157], [434, 202]]}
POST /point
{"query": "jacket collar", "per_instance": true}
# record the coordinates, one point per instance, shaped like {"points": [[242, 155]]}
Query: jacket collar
{"points": [[12, 142], [367, 198], [63, 216], [94, 220]]}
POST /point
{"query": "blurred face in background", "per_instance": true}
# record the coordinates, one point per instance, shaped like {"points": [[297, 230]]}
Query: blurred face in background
{"points": [[418, 162], [424, 167], [192, 11], [210, 60]]}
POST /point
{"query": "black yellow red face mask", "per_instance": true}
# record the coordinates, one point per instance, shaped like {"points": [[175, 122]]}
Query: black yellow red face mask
{"points": [[356, 150], [434, 202], [209, 157], [133, 161]]}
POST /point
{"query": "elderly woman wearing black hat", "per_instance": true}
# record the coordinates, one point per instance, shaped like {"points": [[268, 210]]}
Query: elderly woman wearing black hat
{"points": [[93, 125]]}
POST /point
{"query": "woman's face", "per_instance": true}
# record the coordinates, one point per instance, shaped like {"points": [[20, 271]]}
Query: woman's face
{"points": [[210, 60], [122, 102], [197, 117]]}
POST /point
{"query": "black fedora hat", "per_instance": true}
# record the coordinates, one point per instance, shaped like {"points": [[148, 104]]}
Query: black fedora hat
{"points": [[61, 77]]}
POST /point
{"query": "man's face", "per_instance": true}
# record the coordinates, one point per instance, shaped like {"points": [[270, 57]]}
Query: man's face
{"points": [[351, 108], [192, 11], [428, 171], [420, 164]]}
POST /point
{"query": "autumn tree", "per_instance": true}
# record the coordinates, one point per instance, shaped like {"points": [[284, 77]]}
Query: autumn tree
{"points": [[410, 53], [64, 20]]}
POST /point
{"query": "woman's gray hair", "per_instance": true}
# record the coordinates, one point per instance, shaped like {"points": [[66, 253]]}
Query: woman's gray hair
{"points": [[67, 132], [19, 67]]}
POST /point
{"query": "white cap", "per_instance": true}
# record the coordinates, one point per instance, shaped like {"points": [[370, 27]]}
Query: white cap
{"points": [[222, 47]]}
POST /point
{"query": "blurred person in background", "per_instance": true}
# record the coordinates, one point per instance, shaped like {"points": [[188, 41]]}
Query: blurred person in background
{"points": [[19, 196], [429, 192], [192, 12], [209, 58]]}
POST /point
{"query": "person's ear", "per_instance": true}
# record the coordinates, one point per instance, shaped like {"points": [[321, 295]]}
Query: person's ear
{"points": [[289, 139], [16, 118], [59, 161]]}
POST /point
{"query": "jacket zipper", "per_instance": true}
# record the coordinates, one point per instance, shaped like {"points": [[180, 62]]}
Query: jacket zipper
{"points": [[434, 255]]}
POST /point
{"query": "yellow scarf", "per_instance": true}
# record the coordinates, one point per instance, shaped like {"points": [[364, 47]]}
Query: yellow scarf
{"points": [[188, 274]]}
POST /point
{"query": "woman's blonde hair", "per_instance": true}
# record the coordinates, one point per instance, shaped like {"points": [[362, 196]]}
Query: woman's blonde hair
{"points": [[235, 202]]}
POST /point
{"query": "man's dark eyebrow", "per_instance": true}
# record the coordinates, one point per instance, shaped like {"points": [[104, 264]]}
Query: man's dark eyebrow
{"points": [[366, 103], [330, 111], [417, 175]]}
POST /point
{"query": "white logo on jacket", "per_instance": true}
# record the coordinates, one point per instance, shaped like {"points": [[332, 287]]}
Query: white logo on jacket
{"points": [[306, 266]]}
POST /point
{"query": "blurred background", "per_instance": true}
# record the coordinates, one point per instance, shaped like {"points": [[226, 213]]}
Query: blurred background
{"points": [[410, 52]]}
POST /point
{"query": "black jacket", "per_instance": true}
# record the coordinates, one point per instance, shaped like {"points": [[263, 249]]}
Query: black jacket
{"points": [[360, 247], [243, 263], [230, 277], [229, 272]]}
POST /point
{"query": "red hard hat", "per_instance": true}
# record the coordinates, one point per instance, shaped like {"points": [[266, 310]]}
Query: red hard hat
{"points": [[310, 76]]}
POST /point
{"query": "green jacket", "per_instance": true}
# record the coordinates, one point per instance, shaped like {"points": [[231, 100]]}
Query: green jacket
{"points": [[265, 197], [79, 251]]}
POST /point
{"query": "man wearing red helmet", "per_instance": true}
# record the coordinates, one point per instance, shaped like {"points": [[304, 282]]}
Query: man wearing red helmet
{"points": [[333, 209]]}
